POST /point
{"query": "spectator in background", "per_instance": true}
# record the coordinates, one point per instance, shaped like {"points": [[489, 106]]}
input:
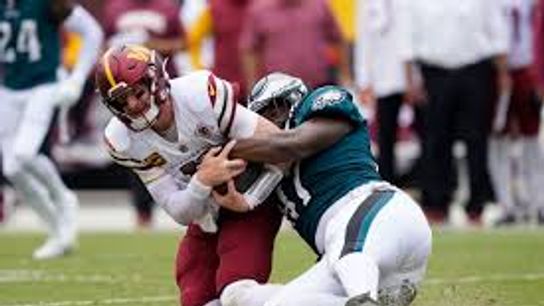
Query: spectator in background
{"points": [[384, 70], [157, 25], [458, 44], [222, 20], [153, 23], [344, 12], [292, 36], [517, 123]]}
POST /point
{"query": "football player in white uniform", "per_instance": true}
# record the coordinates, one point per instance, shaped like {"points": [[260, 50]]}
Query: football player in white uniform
{"points": [[30, 55], [169, 132], [372, 239]]}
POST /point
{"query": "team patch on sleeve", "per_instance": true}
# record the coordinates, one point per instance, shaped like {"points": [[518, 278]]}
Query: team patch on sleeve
{"points": [[328, 99], [331, 102], [223, 98]]}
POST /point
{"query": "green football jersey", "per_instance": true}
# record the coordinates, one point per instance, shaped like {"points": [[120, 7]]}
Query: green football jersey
{"points": [[29, 43], [316, 183]]}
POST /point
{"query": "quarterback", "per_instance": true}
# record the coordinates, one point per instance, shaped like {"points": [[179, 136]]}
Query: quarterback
{"points": [[373, 239], [30, 92], [170, 133]]}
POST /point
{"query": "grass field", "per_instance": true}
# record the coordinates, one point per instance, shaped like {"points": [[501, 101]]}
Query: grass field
{"points": [[466, 268]]}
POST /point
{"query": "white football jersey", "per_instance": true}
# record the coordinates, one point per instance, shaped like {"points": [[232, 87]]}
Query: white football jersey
{"points": [[206, 115]]}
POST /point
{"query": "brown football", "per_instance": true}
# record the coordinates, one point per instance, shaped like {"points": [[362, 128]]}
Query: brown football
{"points": [[244, 180]]}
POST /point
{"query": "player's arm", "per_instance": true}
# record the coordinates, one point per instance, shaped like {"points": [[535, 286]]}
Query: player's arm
{"points": [[189, 203], [237, 122], [83, 23], [286, 146], [75, 19], [184, 204]]}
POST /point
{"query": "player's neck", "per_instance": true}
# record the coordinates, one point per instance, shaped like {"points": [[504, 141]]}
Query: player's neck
{"points": [[171, 133], [165, 125]]}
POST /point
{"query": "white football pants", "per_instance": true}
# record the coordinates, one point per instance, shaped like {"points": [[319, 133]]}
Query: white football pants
{"points": [[397, 244], [25, 119]]}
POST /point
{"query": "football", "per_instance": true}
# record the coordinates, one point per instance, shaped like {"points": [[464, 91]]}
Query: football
{"points": [[244, 180]]}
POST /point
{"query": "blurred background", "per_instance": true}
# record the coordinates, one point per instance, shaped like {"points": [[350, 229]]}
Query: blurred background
{"points": [[452, 90]]}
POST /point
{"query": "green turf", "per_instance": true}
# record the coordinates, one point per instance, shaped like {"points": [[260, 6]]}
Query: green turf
{"points": [[470, 268]]}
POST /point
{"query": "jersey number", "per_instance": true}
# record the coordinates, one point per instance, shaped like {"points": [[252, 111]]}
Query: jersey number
{"points": [[26, 41], [298, 200]]}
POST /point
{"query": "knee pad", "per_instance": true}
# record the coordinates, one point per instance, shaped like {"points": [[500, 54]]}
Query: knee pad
{"points": [[234, 293]]}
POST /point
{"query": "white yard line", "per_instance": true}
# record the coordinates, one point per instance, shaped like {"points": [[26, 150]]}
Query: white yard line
{"points": [[117, 301], [529, 277], [7, 276], [25, 276]]}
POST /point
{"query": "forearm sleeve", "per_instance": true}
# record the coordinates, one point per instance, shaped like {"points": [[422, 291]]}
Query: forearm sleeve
{"points": [[183, 205], [81, 22]]}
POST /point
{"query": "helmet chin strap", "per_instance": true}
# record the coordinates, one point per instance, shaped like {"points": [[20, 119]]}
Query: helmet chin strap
{"points": [[146, 120]]}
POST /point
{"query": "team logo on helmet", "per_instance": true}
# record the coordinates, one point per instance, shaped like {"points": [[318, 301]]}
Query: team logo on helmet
{"points": [[121, 71]]}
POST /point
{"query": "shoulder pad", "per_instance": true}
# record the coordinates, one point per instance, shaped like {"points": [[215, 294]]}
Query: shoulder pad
{"points": [[192, 87], [117, 136]]}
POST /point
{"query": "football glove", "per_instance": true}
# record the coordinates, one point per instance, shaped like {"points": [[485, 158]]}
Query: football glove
{"points": [[69, 91]]}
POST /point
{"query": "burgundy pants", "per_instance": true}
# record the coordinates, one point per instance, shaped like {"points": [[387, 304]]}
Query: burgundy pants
{"points": [[241, 249]]}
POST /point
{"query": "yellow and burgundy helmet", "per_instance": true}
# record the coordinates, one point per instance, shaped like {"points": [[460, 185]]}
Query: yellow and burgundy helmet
{"points": [[122, 70]]}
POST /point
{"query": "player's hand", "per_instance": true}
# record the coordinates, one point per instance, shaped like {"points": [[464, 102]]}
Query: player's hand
{"points": [[69, 91], [232, 200], [216, 168]]}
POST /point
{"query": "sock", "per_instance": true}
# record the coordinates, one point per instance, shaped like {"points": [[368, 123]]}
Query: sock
{"points": [[37, 197], [213, 303], [358, 274], [533, 173], [307, 299], [44, 170], [248, 292], [501, 172]]}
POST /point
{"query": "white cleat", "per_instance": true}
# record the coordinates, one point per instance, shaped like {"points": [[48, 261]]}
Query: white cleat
{"points": [[361, 300], [458, 217], [492, 214], [52, 248]]}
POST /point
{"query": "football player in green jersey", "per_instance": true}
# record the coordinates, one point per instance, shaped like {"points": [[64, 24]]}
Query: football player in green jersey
{"points": [[373, 239], [30, 57]]}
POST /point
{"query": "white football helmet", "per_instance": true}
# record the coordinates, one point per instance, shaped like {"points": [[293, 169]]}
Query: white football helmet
{"points": [[276, 88]]}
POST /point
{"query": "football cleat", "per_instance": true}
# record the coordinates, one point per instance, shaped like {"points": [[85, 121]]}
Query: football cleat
{"points": [[400, 296], [52, 248], [362, 300]]}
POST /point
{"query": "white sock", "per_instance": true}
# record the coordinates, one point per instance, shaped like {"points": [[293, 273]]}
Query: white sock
{"points": [[307, 299], [501, 172], [37, 197], [213, 303], [358, 274], [44, 169], [248, 292], [533, 172]]}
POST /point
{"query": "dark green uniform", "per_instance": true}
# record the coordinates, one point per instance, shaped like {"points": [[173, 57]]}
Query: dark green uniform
{"points": [[316, 183], [29, 43]]}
